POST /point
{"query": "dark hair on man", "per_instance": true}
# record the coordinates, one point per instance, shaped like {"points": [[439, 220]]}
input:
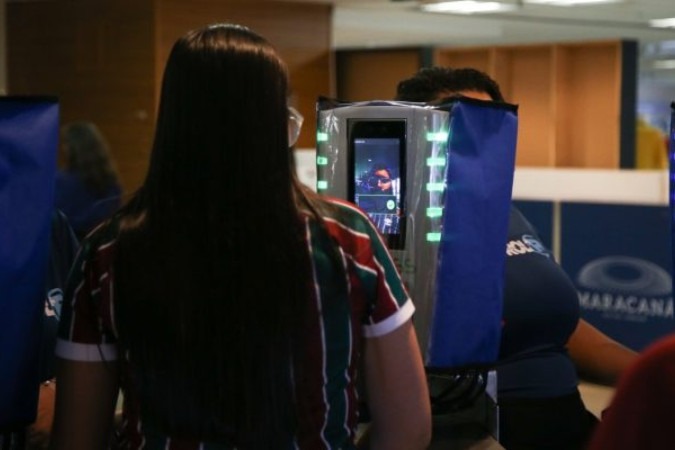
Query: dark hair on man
{"points": [[379, 166], [212, 269], [88, 155], [434, 83]]}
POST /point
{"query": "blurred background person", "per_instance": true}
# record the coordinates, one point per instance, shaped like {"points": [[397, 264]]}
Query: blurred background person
{"points": [[640, 415], [62, 251], [651, 146], [88, 189]]}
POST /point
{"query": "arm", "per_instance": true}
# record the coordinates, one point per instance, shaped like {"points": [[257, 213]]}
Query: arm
{"points": [[596, 355], [397, 391], [86, 393]]}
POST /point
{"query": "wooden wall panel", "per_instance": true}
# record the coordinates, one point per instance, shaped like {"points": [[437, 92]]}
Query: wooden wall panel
{"points": [[98, 58], [3, 49], [374, 75], [529, 83], [595, 103], [104, 59], [564, 85], [301, 33], [476, 58]]}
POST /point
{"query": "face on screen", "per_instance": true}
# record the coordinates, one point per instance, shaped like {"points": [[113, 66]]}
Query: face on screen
{"points": [[377, 181]]}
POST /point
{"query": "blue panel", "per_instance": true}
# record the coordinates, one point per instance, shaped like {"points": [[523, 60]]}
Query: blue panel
{"points": [[29, 132], [620, 259], [467, 318]]}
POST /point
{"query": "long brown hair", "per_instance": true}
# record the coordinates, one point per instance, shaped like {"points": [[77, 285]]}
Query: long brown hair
{"points": [[212, 269]]}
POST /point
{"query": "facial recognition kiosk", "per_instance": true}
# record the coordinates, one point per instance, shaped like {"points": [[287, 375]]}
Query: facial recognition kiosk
{"points": [[393, 159], [389, 159]]}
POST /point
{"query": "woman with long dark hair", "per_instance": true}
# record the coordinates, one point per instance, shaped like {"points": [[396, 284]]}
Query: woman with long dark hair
{"points": [[233, 307]]}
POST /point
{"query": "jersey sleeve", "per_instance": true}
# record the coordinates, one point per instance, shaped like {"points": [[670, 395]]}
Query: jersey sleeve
{"points": [[388, 303], [86, 331]]}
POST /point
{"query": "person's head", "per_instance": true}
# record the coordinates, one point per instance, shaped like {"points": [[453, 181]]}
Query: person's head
{"points": [[222, 126], [87, 153], [213, 243], [380, 178], [431, 84]]}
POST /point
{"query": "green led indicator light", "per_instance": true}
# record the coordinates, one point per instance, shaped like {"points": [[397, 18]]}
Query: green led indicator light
{"points": [[434, 211], [436, 162], [321, 161], [322, 185], [433, 237], [321, 137], [435, 187], [439, 136]]}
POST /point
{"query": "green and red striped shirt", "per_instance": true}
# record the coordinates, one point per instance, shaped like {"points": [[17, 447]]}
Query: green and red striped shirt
{"points": [[371, 303]]}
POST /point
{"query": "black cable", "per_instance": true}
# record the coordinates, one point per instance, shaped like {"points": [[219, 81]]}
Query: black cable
{"points": [[452, 392]]}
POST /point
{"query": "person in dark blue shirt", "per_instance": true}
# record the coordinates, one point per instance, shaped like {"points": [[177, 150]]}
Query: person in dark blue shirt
{"points": [[544, 341], [62, 251]]}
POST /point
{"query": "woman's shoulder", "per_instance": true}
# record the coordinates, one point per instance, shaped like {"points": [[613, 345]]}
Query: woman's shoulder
{"points": [[346, 214], [102, 236], [343, 210]]}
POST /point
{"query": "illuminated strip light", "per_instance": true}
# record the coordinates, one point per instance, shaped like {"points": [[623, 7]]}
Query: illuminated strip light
{"points": [[321, 137], [664, 64], [570, 2], [467, 7], [433, 237], [436, 162], [663, 23], [435, 187], [321, 161], [322, 185], [438, 136], [434, 211]]}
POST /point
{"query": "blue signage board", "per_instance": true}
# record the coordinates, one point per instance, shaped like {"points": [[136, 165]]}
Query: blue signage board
{"points": [[619, 257]]}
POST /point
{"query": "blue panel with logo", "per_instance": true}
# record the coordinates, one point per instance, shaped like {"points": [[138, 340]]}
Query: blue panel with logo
{"points": [[619, 257]]}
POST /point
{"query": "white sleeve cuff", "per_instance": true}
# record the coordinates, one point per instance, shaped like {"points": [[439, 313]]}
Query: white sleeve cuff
{"points": [[391, 323]]}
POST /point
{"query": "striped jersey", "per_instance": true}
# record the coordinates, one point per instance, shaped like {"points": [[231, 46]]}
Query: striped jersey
{"points": [[371, 303]]}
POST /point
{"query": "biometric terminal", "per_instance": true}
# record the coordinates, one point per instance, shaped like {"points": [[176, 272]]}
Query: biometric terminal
{"points": [[389, 159], [376, 181]]}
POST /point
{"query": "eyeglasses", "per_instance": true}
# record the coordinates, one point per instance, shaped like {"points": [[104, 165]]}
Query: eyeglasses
{"points": [[376, 180], [295, 121]]}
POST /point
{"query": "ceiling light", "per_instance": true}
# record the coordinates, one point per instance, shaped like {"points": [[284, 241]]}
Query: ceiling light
{"points": [[664, 64], [468, 7], [663, 23], [570, 2]]}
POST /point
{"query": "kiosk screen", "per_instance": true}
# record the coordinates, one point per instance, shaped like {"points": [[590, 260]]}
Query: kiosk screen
{"points": [[377, 174]]}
